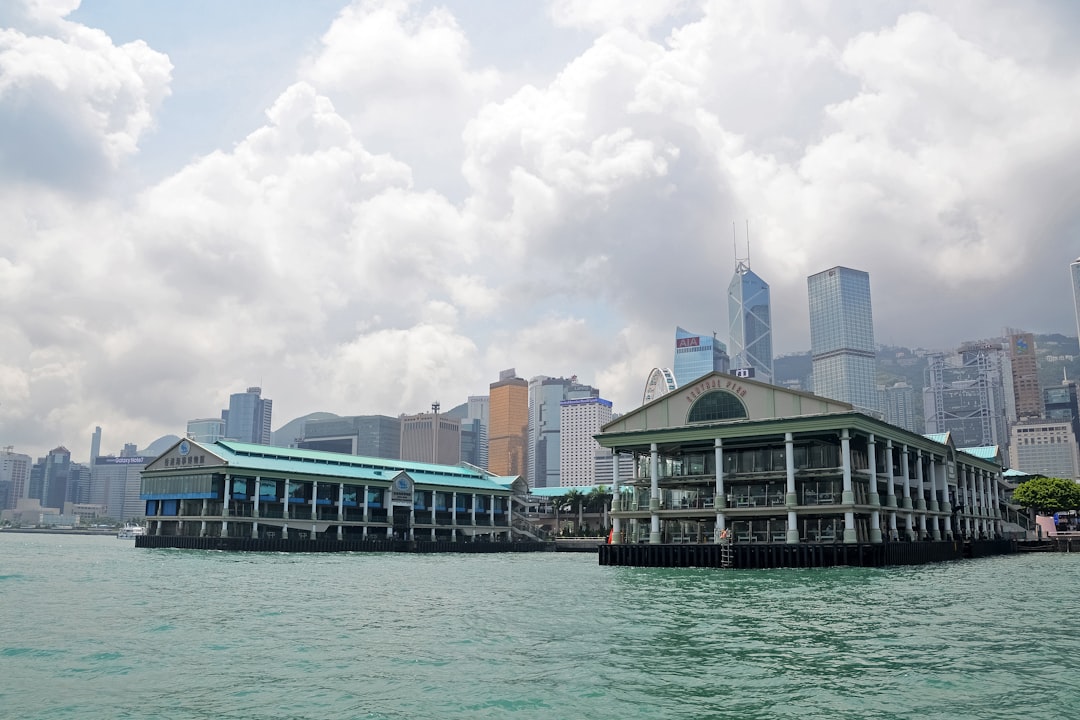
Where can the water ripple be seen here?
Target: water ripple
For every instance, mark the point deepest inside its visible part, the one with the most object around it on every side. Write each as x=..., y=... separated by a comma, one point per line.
x=120, y=632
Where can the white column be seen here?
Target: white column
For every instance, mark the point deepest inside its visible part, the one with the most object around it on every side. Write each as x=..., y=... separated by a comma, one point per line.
x=850, y=535
x=616, y=500
x=491, y=510
x=364, y=507
x=875, y=499
x=890, y=489
x=255, y=509
x=285, y=509
x=905, y=469
x=654, y=497
x=920, y=501
x=792, y=498
x=472, y=513
x=995, y=499
x=720, y=500
x=935, y=532
x=341, y=511
x=969, y=501
x=314, y=499
x=453, y=516
x=225, y=506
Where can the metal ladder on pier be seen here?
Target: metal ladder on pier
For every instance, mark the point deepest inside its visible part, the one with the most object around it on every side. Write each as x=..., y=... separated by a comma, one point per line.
x=727, y=553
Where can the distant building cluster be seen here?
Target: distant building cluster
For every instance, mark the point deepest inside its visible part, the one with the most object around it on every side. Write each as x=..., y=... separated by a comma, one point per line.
x=983, y=393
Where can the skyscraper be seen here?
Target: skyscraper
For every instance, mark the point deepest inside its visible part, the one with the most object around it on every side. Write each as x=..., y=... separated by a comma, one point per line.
x=14, y=476
x=377, y=436
x=508, y=432
x=582, y=419
x=1025, y=375
x=698, y=355
x=431, y=438
x=964, y=394
x=842, y=336
x=896, y=403
x=248, y=417
x=546, y=395
x=750, y=323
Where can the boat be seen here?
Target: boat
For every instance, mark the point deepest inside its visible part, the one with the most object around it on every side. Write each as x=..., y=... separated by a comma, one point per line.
x=131, y=531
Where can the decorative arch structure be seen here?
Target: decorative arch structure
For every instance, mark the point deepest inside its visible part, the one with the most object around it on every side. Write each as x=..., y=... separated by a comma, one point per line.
x=717, y=405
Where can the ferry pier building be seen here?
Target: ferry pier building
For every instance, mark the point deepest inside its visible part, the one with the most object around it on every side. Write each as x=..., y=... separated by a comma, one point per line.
x=781, y=478
x=230, y=492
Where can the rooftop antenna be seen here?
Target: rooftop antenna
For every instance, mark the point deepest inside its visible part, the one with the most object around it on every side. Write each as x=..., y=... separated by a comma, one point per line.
x=748, y=242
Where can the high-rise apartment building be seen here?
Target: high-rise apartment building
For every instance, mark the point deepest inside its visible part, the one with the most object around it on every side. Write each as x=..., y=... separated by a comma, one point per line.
x=508, y=431
x=750, y=323
x=377, y=436
x=431, y=438
x=896, y=403
x=1027, y=396
x=546, y=395
x=842, y=337
x=206, y=430
x=581, y=420
x=965, y=395
x=698, y=355
x=14, y=477
x=248, y=417
x=604, y=461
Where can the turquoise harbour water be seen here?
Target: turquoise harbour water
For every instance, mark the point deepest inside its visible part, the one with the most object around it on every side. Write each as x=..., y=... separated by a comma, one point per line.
x=92, y=627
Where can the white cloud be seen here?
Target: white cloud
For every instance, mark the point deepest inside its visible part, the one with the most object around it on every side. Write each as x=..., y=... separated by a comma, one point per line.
x=404, y=224
x=74, y=105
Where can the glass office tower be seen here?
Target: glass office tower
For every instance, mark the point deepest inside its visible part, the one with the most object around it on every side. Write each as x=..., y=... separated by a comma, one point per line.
x=842, y=337
x=697, y=355
x=750, y=323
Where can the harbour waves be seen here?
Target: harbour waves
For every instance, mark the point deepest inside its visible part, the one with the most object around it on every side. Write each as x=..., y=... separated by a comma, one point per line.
x=119, y=632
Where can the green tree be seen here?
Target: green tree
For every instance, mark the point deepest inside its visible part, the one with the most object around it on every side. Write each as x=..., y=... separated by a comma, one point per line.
x=575, y=500
x=1048, y=495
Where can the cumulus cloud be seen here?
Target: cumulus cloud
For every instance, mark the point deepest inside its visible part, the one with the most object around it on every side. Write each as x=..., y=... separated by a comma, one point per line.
x=404, y=223
x=73, y=105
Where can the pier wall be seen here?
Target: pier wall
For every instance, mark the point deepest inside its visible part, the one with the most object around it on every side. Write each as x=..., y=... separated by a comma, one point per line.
x=801, y=555
x=324, y=545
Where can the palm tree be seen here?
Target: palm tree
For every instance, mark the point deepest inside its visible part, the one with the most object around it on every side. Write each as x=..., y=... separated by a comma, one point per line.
x=575, y=500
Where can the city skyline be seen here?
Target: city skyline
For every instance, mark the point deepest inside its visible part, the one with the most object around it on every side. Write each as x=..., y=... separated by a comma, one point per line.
x=236, y=195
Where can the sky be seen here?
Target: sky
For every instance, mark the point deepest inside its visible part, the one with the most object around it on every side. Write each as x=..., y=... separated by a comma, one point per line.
x=365, y=208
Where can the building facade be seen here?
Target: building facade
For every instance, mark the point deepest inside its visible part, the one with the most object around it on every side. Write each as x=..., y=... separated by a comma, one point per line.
x=965, y=395
x=248, y=417
x=206, y=430
x=240, y=490
x=508, y=431
x=581, y=419
x=697, y=355
x=115, y=484
x=1074, y=272
x=896, y=403
x=431, y=437
x=1027, y=396
x=750, y=323
x=14, y=476
x=1045, y=447
x=367, y=435
x=760, y=464
x=478, y=411
x=842, y=346
x=546, y=395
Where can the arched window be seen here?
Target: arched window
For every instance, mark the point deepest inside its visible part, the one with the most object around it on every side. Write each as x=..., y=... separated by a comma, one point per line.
x=717, y=405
